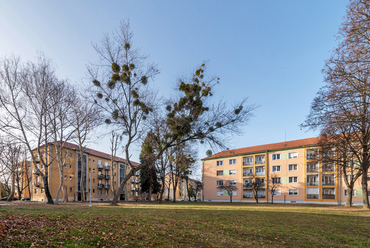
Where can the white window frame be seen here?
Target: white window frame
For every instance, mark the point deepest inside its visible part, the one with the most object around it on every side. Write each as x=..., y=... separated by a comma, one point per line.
x=234, y=192
x=276, y=166
x=276, y=156
x=294, y=192
x=278, y=179
x=293, y=167
x=277, y=192
x=219, y=163
x=291, y=156
x=220, y=174
x=231, y=172
x=353, y=192
x=70, y=178
x=232, y=182
x=220, y=192
x=220, y=182
x=232, y=161
x=292, y=181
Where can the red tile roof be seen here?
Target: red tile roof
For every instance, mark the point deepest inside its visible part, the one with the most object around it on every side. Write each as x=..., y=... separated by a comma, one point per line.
x=96, y=153
x=267, y=147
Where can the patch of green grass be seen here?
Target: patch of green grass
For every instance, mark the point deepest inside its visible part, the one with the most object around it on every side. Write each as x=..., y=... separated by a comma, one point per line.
x=183, y=224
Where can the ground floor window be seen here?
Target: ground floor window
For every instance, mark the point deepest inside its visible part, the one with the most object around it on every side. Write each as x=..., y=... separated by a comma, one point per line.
x=220, y=192
x=293, y=191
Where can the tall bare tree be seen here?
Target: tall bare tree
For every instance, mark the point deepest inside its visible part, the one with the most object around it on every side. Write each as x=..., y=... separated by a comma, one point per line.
x=342, y=106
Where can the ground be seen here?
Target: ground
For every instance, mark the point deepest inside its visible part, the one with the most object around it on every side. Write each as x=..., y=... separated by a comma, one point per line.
x=182, y=224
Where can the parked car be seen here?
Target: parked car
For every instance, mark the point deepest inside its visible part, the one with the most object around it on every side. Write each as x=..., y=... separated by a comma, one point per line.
x=26, y=199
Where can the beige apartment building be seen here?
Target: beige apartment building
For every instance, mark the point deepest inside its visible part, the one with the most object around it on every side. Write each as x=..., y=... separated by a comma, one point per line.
x=182, y=193
x=98, y=178
x=295, y=165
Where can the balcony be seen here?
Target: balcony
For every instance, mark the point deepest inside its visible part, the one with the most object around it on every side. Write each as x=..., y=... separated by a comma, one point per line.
x=107, y=177
x=107, y=186
x=249, y=174
x=312, y=170
x=247, y=185
x=101, y=176
x=100, y=166
x=331, y=197
x=260, y=161
x=312, y=183
x=107, y=167
x=132, y=179
x=262, y=173
x=100, y=186
x=247, y=163
x=36, y=172
x=328, y=183
x=327, y=168
x=312, y=196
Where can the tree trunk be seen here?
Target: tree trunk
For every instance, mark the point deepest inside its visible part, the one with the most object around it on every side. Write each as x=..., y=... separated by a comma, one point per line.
x=46, y=186
x=349, y=196
x=365, y=197
x=11, y=195
x=272, y=198
x=162, y=189
x=150, y=192
x=65, y=194
x=231, y=198
x=60, y=185
x=83, y=176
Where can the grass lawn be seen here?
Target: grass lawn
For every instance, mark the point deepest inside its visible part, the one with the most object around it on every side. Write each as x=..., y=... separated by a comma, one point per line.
x=182, y=224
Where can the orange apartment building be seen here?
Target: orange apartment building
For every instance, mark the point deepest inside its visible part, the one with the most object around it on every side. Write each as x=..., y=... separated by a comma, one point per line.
x=295, y=165
x=98, y=173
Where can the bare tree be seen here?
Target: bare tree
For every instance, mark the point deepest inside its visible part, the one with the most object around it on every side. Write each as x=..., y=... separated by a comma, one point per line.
x=229, y=188
x=342, y=106
x=25, y=95
x=274, y=184
x=115, y=138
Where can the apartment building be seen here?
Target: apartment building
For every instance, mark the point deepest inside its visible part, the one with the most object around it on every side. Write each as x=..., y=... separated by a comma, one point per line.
x=181, y=188
x=100, y=176
x=296, y=166
x=22, y=178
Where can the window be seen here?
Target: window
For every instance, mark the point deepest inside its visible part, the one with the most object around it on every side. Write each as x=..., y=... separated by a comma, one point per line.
x=70, y=166
x=70, y=178
x=93, y=180
x=220, y=192
x=293, y=191
x=42, y=190
x=232, y=182
x=260, y=159
x=65, y=166
x=232, y=172
x=70, y=189
x=346, y=192
x=276, y=180
x=93, y=160
x=93, y=190
x=234, y=192
x=65, y=154
x=277, y=192
x=93, y=170
x=65, y=178
x=248, y=160
x=276, y=168
x=293, y=179
x=38, y=179
x=106, y=192
x=89, y=159
x=70, y=154
x=99, y=192
x=220, y=182
x=293, y=155
x=276, y=156
x=36, y=191
x=220, y=173
x=220, y=163
x=232, y=161
x=42, y=166
x=293, y=167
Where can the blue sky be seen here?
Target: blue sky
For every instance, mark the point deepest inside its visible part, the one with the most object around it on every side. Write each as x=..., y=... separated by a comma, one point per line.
x=271, y=51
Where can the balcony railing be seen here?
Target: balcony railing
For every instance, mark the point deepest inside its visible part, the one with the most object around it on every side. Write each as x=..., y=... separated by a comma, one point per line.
x=107, y=176
x=312, y=156
x=247, y=174
x=328, y=197
x=247, y=185
x=248, y=196
x=328, y=183
x=101, y=176
x=107, y=186
x=100, y=186
x=312, y=183
x=107, y=167
x=312, y=196
x=328, y=169
x=312, y=170
x=100, y=166
x=247, y=163
x=260, y=173
x=260, y=161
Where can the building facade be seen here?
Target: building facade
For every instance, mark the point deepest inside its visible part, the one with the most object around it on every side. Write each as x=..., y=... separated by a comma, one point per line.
x=294, y=167
x=100, y=175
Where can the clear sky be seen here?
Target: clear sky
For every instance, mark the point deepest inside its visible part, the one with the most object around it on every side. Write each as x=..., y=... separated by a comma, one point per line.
x=271, y=51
